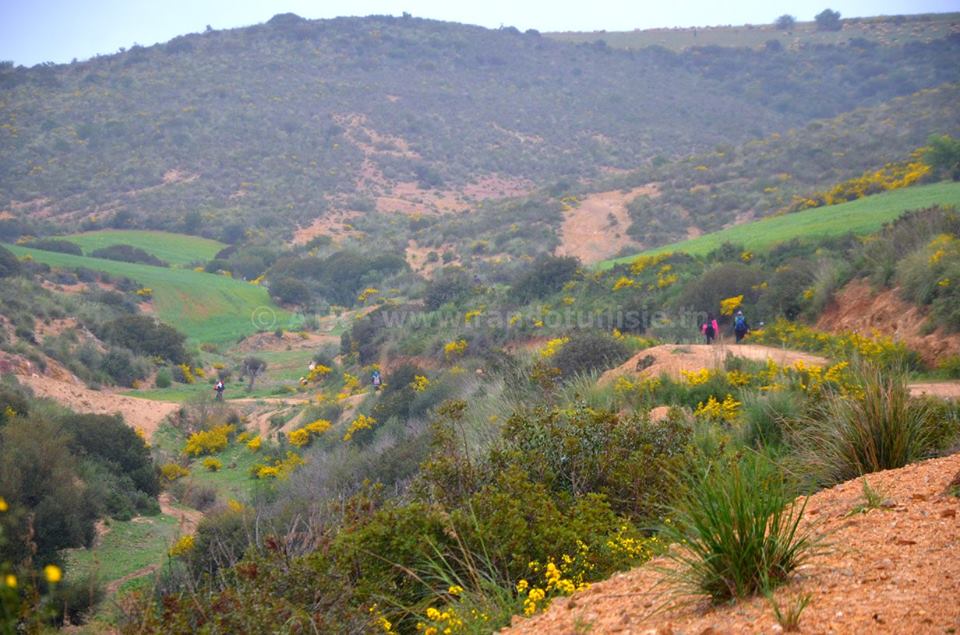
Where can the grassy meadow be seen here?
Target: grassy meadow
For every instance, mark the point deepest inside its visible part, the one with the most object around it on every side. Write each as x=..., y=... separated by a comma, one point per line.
x=862, y=216
x=177, y=249
x=206, y=307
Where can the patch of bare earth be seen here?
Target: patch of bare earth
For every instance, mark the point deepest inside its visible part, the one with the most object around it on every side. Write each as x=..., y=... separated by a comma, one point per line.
x=289, y=341
x=858, y=308
x=596, y=228
x=335, y=224
x=895, y=569
x=671, y=359
x=143, y=414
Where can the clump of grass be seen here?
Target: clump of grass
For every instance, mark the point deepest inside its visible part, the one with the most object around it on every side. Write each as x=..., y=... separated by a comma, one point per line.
x=880, y=429
x=789, y=618
x=872, y=499
x=738, y=531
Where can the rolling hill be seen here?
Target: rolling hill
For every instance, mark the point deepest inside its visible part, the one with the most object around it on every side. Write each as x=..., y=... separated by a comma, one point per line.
x=276, y=125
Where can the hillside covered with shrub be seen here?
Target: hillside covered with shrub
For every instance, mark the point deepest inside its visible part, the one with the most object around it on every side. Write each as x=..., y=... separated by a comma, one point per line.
x=277, y=124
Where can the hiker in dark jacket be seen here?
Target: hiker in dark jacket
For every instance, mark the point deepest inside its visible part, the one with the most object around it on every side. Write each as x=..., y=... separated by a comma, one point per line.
x=710, y=328
x=740, y=326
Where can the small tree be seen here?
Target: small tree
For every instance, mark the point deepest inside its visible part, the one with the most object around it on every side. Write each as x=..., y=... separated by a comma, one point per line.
x=828, y=20
x=785, y=22
x=942, y=154
x=252, y=368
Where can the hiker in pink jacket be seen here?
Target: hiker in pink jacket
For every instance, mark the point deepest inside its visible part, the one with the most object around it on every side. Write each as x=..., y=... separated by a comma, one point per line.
x=710, y=328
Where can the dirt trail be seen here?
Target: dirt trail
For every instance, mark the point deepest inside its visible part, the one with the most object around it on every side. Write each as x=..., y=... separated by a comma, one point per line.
x=596, y=228
x=187, y=519
x=143, y=414
x=890, y=570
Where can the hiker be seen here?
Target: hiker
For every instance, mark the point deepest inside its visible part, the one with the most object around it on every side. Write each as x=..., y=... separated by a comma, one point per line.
x=219, y=389
x=710, y=328
x=376, y=380
x=740, y=326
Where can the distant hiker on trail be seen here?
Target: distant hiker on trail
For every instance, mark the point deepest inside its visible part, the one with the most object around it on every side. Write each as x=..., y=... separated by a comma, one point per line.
x=376, y=380
x=740, y=326
x=219, y=388
x=710, y=328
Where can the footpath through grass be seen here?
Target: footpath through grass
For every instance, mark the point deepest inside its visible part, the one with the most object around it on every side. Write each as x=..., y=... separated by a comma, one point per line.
x=863, y=216
x=205, y=307
x=177, y=249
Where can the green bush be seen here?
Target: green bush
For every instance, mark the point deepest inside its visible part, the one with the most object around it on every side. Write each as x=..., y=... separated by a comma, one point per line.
x=545, y=276
x=147, y=336
x=588, y=351
x=128, y=253
x=53, y=244
x=737, y=528
x=164, y=378
x=881, y=429
x=9, y=265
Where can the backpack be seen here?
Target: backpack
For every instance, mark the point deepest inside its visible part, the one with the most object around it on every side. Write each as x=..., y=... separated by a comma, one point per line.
x=739, y=323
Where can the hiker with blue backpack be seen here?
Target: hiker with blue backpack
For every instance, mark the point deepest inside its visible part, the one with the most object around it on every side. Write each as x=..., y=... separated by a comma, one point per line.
x=740, y=326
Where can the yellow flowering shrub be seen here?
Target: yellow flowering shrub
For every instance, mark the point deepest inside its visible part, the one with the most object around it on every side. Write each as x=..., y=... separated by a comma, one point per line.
x=351, y=385
x=362, y=422
x=299, y=438
x=209, y=441
x=642, y=263
x=471, y=315
x=280, y=469
x=318, y=373
x=419, y=383
x=623, y=282
x=455, y=348
x=552, y=346
x=892, y=176
x=551, y=579
x=187, y=373
x=212, y=464
x=696, y=377
x=714, y=410
x=145, y=292
x=173, y=471
x=729, y=305
x=366, y=293
x=182, y=546
x=254, y=444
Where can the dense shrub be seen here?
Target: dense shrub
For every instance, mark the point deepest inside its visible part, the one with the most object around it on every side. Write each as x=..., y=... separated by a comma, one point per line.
x=450, y=285
x=545, y=276
x=53, y=244
x=128, y=253
x=9, y=265
x=147, y=336
x=116, y=445
x=289, y=290
x=588, y=351
x=880, y=429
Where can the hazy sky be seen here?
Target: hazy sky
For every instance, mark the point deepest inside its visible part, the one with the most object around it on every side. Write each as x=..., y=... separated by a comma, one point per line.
x=34, y=31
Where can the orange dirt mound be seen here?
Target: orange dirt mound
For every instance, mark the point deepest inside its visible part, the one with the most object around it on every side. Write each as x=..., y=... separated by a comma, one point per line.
x=144, y=414
x=670, y=359
x=858, y=308
x=894, y=569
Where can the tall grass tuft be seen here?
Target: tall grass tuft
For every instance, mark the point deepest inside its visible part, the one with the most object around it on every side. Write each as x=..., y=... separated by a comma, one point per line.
x=737, y=531
x=880, y=429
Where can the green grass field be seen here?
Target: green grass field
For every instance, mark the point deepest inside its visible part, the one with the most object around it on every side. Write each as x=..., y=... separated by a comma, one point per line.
x=205, y=307
x=176, y=249
x=862, y=216
x=128, y=546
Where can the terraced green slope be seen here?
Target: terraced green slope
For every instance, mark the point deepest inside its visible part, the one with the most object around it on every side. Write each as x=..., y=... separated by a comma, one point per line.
x=862, y=216
x=177, y=249
x=206, y=307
